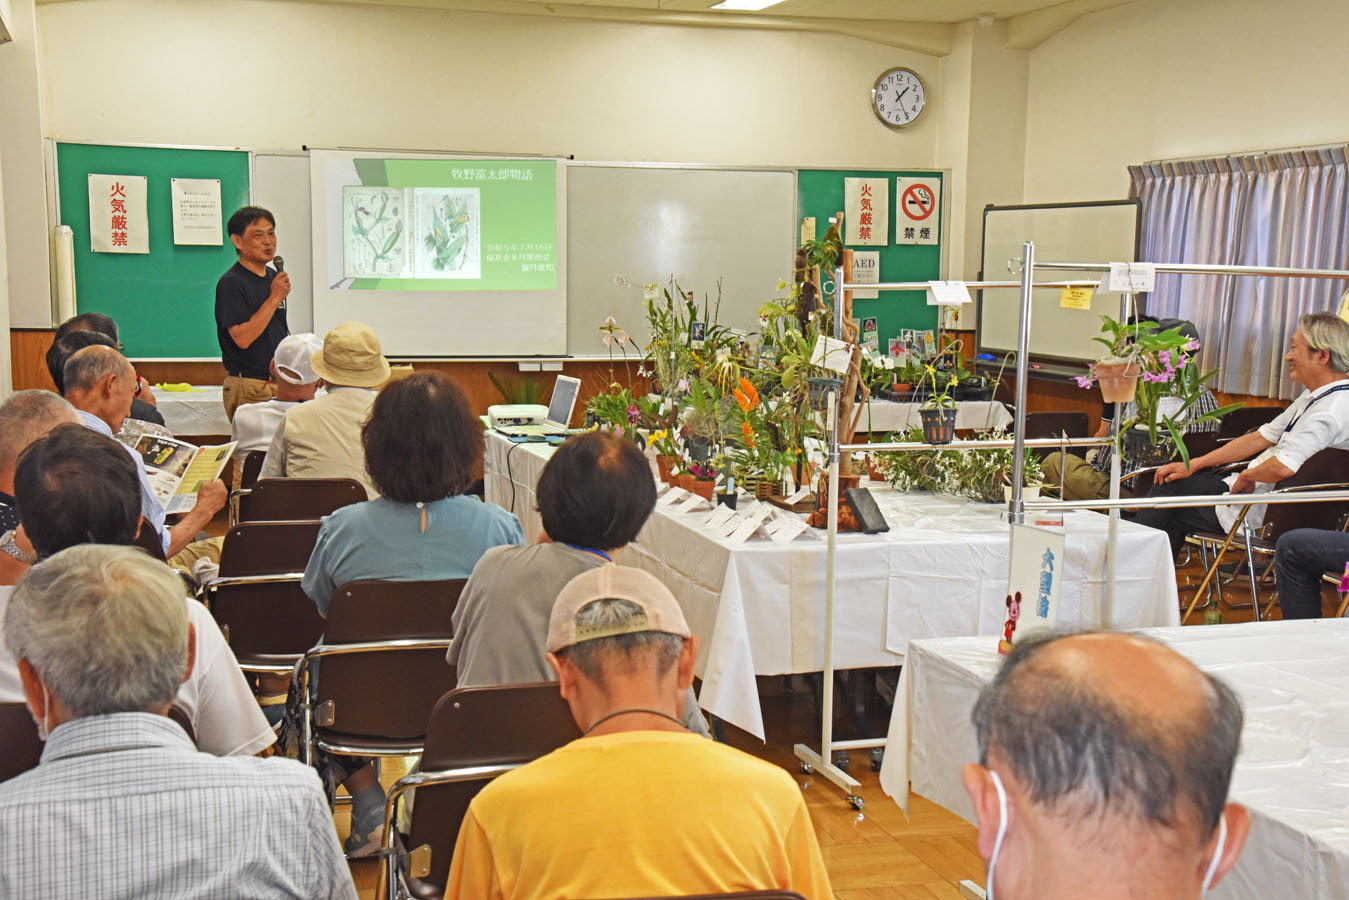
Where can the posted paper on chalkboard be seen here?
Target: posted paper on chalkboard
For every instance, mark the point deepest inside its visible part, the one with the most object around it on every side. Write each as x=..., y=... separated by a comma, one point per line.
x=196, y=211
x=117, y=219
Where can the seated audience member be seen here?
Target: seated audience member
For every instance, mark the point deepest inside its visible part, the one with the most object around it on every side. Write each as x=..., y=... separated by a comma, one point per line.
x=77, y=487
x=1301, y=557
x=1105, y=761
x=637, y=806
x=594, y=495
x=1089, y=479
x=122, y=804
x=322, y=438
x=24, y=417
x=72, y=336
x=255, y=424
x=1318, y=359
x=99, y=383
x=421, y=446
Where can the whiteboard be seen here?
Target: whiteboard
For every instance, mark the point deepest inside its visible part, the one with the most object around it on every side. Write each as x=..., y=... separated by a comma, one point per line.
x=1098, y=232
x=645, y=224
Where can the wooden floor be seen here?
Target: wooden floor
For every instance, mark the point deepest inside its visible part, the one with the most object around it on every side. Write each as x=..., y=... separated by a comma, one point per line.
x=874, y=854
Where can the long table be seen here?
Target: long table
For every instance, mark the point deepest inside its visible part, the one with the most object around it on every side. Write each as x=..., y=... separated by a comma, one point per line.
x=892, y=415
x=1292, y=771
x=941, y=570
x=199, y=411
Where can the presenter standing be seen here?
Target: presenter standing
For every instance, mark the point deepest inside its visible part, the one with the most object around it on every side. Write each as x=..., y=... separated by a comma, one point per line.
x=249, y=314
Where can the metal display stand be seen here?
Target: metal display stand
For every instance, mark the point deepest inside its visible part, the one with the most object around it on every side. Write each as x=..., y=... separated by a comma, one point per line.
x=821, y=762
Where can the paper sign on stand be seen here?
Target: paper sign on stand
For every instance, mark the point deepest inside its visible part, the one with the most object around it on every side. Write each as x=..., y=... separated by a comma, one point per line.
x=832, y=354
x=1076, y=297
x=947, y=293
x=1129, y=278
x=748, y=525
x=797, y=496
x=719, y=517
x=785, y=529
x=672, y=496
x=1033, y=583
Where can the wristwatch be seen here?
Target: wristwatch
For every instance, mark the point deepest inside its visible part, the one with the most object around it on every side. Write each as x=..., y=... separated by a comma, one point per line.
x=11, y=546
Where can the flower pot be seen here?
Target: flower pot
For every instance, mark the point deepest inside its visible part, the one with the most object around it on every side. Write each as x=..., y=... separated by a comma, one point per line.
x=727, y=500
x=874, y=473
x=1141, y=450
x=1118, y=381
x=665, y=464
x=703, y=488
x=939, y=425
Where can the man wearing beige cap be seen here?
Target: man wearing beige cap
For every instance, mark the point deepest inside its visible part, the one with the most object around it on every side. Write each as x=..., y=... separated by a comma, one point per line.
x=637, y=806
x=322, y=438
x=255, y=424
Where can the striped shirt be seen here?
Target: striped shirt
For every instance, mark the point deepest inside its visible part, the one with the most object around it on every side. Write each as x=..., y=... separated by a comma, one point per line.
x=1202, y=406
x=123, y=805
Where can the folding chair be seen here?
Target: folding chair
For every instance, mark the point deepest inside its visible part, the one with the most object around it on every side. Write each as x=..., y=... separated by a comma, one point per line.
x=273, y=499
x=1322, y=472
x=251, y=467
x=20, y=748
x=384, y=668
x=268, y=548
x=1056, y=424
x=1248, y=418
x=474, y=735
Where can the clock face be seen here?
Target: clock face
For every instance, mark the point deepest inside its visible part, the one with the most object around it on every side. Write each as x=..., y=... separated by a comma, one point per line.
x=898, y=97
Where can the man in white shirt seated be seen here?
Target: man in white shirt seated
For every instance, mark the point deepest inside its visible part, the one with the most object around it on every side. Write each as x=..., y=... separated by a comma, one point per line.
x=1318, y=359
x=255, y=424
x=77, y=487
x=121, y=804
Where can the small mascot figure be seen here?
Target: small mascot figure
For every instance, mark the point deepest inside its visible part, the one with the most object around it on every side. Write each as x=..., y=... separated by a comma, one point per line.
x=1013, y=613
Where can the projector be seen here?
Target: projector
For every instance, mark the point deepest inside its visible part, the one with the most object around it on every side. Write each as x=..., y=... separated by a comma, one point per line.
x=513, y=415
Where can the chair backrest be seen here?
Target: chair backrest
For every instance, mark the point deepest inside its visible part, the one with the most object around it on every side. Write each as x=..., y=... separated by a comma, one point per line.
x=480, y=726
x=251, y=467
x=266, y=623
x=267, y=548
x=179, y=715
x=1329, y=466
x=299, y=498
x=386, y=693
x=20, y=748
x=1054, y=424
x=148, y=540
x=1239, y=421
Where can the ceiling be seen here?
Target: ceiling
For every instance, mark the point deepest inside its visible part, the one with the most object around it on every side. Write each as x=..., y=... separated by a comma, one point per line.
x=926, y=26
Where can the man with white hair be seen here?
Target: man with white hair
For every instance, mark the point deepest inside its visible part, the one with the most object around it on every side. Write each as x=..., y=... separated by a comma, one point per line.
x=638, y=806
x=24, y=417
x=100, y=383
x=122, y=804
x=255, y=423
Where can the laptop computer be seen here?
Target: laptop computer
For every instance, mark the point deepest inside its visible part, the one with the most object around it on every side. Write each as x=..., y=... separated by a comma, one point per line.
x=565, y=391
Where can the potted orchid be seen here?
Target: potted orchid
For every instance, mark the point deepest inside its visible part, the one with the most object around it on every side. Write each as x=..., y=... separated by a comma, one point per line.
x=938, y=411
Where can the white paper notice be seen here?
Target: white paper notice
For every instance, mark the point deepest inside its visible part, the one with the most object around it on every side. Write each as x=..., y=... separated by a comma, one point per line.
x=196, y=211
x=786, y=529
x=917, y=220
x=831, y=354
x=748, y=525
x=1129, y=278
x=947, y=293
x=866, y=211
x=117, y=217
x=797, y=496
x=672, y=496
x=1033, y=583
x=719, y=517
x=866, y=269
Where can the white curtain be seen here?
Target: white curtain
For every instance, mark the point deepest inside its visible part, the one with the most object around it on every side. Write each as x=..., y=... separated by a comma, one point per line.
x=1277, y=209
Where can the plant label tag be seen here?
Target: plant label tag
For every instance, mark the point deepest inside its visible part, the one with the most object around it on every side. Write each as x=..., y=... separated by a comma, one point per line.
x=832, y=354
x=947, y=293
x=692, y=503
x=1131, y=278
x=797, y=496
x=1076, y=297
x=748, y=525
x=650, y=293
x=719, y=517
x=672, y=496
x=731, y=525
x=786, y=529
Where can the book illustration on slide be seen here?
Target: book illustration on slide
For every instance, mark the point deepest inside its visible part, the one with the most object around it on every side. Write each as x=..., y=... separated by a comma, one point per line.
x=376, y=243
x=449, y=228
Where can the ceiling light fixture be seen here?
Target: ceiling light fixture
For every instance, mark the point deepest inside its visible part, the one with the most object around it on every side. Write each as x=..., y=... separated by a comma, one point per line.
x=746, y=5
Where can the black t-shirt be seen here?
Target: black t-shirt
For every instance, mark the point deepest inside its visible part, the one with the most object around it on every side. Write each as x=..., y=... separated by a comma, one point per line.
x=238, y=294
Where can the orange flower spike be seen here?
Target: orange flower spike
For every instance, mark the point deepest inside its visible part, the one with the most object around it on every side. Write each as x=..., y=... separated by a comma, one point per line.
x=751, y=394
x=749, y=434
x=742, y=400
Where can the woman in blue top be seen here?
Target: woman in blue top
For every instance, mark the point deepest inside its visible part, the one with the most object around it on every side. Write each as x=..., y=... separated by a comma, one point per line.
x=422, y=445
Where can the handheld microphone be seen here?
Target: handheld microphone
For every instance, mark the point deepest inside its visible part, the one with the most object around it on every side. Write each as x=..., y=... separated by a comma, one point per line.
x=279, y=263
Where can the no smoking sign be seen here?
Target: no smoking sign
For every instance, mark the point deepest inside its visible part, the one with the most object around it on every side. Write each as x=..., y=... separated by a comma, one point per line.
x=916, y=204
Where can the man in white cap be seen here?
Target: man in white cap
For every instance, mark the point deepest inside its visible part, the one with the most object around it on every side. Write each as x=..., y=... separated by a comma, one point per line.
x=322, y=438
x=255, y=424
x=638, y=806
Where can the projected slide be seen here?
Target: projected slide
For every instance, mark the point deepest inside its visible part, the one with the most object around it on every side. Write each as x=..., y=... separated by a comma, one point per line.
x=448, y=225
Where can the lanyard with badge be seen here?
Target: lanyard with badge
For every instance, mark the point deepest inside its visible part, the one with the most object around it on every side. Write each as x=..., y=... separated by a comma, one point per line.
x=1339, y=387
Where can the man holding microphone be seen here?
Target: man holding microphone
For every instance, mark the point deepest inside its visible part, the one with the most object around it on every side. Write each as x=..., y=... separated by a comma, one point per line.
x=250, y=315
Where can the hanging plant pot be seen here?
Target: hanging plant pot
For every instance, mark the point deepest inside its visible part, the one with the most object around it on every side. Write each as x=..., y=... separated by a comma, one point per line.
x=1118, y=380
x=1139, y=448
x=939, y=425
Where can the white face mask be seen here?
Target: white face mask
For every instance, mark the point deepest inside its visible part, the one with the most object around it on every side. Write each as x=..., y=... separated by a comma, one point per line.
x=1002, y=833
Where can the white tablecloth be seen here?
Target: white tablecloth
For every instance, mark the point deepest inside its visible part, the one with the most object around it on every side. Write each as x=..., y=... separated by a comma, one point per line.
x=195, y=412
x=888, y=415
x=940, y=571
x=1292, y=771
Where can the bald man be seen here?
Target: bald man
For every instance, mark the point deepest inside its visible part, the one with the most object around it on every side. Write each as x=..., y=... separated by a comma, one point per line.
x=1105, y=761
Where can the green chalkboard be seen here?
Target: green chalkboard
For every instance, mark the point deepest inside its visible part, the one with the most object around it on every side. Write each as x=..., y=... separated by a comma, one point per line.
x=163, y=301
x=819, y=193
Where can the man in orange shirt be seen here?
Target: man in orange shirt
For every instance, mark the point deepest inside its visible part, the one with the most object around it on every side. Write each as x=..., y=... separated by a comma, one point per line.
x=637, y=806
